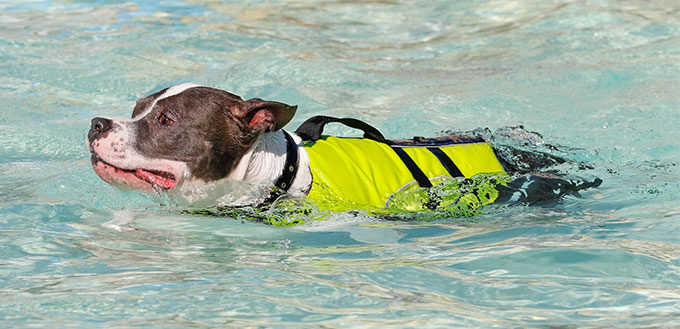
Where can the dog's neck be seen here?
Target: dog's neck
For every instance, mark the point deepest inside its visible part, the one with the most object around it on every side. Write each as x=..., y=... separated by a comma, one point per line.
x=265, y=161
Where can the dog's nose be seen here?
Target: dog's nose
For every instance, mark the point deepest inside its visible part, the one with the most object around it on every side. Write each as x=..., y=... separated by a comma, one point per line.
x=98, y=127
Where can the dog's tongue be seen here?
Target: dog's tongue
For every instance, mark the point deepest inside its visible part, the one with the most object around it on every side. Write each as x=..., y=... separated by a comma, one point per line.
x=155, y=179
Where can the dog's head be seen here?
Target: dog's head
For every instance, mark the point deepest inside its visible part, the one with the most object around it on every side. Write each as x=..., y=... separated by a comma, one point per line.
x=186, y=132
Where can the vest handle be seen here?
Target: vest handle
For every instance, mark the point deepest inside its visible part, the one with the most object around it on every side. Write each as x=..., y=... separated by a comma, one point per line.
x=312, y=129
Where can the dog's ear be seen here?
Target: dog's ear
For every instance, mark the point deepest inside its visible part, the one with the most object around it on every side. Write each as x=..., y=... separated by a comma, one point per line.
x=265, y=116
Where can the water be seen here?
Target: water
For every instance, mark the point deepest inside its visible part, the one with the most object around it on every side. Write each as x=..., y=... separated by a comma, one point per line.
x=599, y=78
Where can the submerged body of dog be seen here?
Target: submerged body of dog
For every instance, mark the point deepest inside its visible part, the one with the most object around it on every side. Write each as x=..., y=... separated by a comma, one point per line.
x=187, y=138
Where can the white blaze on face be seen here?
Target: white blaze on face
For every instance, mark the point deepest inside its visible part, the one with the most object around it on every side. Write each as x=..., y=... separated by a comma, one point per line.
x=172, y=91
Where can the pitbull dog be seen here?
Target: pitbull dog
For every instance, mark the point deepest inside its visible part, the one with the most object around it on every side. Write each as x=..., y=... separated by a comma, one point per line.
x=191, y=138
x=187, y=136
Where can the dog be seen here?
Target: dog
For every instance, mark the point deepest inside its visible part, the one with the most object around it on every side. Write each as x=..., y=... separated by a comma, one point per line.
x=189, y=135
x=191, y=141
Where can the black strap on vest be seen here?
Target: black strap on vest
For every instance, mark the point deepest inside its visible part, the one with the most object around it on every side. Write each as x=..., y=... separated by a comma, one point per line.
x=289, y=170
x=417, y=174
x=446, y=162
x=312, y=129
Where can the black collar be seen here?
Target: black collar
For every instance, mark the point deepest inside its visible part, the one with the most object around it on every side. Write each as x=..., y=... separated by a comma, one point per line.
x=292, y=162
x=289, y=170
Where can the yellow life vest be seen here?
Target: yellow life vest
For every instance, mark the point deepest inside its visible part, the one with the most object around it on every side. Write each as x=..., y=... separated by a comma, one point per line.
x=454, y=175
x=361, y=173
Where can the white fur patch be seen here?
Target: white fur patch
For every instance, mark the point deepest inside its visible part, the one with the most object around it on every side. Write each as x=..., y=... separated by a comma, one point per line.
x=117, y=149
x=172, y=91
x=265, y=160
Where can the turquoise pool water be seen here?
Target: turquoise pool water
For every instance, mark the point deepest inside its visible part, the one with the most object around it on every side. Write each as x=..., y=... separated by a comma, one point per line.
x=599, y=78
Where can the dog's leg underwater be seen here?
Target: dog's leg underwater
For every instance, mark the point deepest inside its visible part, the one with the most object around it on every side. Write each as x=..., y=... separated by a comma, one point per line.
x=541, y=189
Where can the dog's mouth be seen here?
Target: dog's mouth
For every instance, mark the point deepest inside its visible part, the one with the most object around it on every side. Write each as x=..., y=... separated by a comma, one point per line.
x=156, y=180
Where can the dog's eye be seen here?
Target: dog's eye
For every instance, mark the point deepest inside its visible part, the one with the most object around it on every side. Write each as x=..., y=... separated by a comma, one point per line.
x=165, y=121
